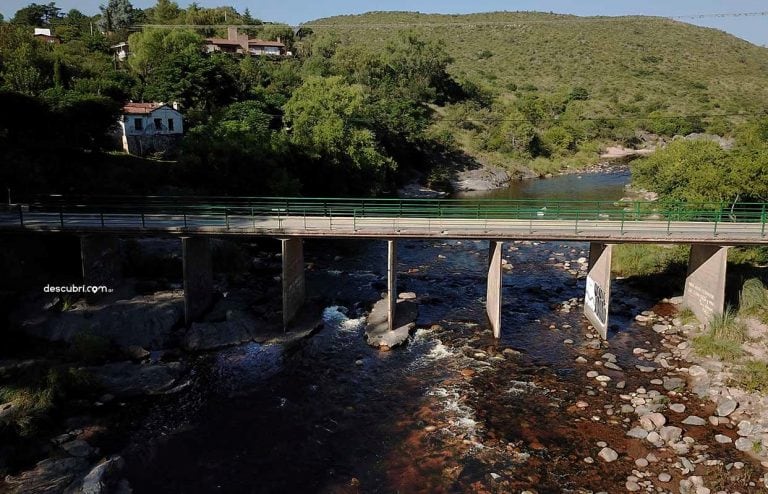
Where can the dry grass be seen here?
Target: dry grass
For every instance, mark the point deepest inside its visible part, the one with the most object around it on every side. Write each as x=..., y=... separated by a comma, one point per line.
x=723, y=338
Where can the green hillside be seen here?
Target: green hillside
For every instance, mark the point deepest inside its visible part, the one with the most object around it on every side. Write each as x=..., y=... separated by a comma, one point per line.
x=560, y=72
x=689, y=68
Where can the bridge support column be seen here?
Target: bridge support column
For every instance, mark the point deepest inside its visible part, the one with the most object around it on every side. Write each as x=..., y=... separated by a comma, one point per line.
x=705, y=284
x=198, y=276
x=101, y=263
x=598, y=293
x=294, y=286
x=493, y=298
x=391, y=283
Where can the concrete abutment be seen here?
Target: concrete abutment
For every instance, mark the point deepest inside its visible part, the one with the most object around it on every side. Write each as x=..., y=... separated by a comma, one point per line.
x=294, y=284
x=198, y=276
x=598, y=290
x=493, y=298
x=391, y=283
x=705, y=283
x=101, y=263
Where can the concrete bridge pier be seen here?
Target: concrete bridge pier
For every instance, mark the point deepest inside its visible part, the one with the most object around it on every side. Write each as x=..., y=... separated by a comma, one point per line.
x=101, y=262
x=294, y=285
x=493, y=298
x=198, y=276
x=391, y=283
x=705, y=284
x=598, y=292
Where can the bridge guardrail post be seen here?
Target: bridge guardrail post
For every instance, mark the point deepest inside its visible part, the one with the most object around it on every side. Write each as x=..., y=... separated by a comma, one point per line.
x=185, y=219
x=21, y=215
x=669, y=222
x=623, y=212
x=226, y=218
x=762, y=222
x=717, y=219
x=253, y=218
x=61, y=216
x=576, y=228
x=530, y=222
x=354, y=220
x=305, y=218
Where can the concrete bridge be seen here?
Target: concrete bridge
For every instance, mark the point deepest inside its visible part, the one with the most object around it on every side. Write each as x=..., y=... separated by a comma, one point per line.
x=710, y=229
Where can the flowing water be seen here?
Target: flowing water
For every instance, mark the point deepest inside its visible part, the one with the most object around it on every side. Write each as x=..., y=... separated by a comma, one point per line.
x=453, y=411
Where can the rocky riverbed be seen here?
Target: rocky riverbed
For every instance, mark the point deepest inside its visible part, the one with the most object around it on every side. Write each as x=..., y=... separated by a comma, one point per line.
x=221, y=405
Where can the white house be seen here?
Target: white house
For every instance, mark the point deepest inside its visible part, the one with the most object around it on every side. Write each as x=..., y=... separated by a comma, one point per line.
x=147, y=128
x=45, y=35
x=120, y=51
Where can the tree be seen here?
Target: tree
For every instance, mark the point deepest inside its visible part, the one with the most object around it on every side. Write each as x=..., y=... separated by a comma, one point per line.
x=150, y=47
x=165, y=12
x=327, y=117
x=689, y=171
x=40, y=15
x=117, y=15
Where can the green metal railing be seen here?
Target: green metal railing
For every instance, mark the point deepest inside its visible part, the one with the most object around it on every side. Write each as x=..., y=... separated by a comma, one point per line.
x=219, y=211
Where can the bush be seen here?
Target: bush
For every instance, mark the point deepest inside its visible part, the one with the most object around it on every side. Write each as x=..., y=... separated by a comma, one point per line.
x=723, y=338
x=645, y=260
x=753, y=297
x=753, y=376
x=89, y=347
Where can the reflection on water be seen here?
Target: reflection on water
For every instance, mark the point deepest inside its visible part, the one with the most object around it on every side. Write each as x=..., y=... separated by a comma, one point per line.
x=585, y=187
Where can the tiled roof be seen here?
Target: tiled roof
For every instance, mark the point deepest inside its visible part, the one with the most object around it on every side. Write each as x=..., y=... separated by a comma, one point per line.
x=141, y=108
x=222, y=41
x=261, y=42
x=251, y=42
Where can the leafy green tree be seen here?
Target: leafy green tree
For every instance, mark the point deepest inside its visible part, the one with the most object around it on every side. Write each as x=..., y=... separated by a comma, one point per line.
x=25, y=65
x=556, y=140
x=39, y=15
x=512, y=133
x=274, y=32
x=165, y=12
x=200, y=82
x=327, y=117
x=151, y=47
x=689, y=171
x=117, y=15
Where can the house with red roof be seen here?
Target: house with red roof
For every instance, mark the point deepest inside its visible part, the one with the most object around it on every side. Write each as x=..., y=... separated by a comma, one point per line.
x=240, y=43
x=150, y=128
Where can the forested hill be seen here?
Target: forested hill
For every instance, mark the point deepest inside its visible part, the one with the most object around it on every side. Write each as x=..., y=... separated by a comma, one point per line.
x=629, y=65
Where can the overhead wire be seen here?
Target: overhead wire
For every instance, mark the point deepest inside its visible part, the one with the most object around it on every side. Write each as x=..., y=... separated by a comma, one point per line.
x=468, y=23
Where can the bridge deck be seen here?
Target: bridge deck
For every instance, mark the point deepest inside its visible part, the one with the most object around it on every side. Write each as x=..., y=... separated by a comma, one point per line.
x=609, y=221
x=607, y=230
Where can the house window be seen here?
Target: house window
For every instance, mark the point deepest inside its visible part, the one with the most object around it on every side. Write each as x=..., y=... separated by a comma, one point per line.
x=158, y=124
x=138, y=124
x=170, y=124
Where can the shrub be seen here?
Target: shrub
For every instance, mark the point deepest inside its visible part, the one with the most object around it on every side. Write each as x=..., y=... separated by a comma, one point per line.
x=89, y=347
x=753, y=297
x=645, y=260
x=753, y=376
x=723, y=338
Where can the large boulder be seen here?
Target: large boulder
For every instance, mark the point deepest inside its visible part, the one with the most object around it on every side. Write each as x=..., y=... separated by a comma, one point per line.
x=377, y=331
x=51, y=475
x=212, y=335
x=144, y=321
x=103, y=476
x=127, y=379
x=479, y=179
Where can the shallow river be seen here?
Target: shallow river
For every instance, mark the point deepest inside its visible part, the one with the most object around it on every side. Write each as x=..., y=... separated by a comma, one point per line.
x=454, y=411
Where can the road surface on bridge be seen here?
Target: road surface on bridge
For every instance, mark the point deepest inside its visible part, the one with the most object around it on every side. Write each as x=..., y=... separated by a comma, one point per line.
x=277, y=225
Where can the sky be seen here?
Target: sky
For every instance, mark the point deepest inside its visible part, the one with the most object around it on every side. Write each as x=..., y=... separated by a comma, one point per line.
x=754, y=29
